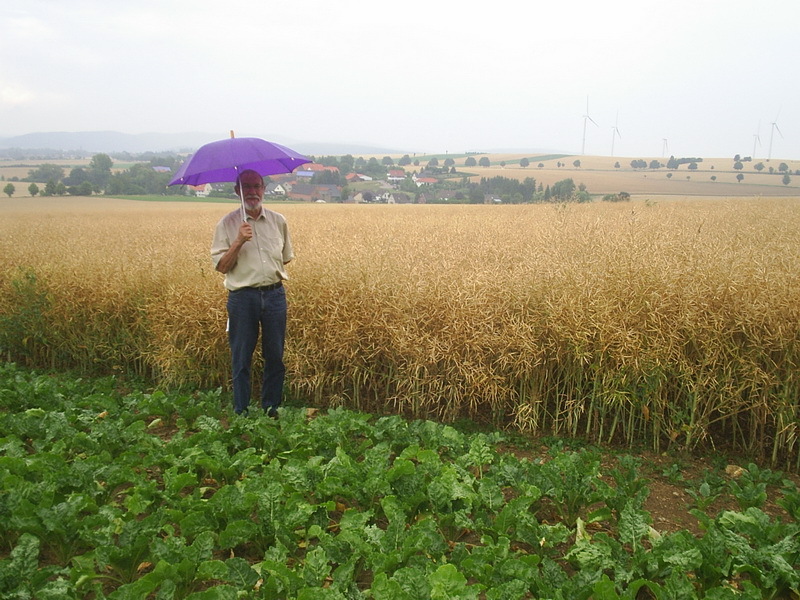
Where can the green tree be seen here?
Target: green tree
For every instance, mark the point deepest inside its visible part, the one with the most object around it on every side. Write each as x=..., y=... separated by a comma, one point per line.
x=408, y=185
x=524, y=162
x=9, y=189
x=346, y=164
x=576, y=163
x=786, y=179
x=100, y=170
x=76, y=176
x=326, y=177
x=141, y=178
x=783, y=167
x=33, y=189
x=46, y=172
x=49, y=188
x=388, y=161
x=564, y=189
x=475, y=195
x=739, y=177
x=470, y=162
x=485, y=162
x=406, y=160
x=759, y=166
x=738, y=165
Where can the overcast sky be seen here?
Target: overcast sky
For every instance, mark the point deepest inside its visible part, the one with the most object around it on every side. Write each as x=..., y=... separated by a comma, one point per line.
x=707, y=76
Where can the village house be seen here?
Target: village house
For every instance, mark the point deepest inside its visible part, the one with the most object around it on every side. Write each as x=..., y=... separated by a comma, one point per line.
x=317, y=168
x=396, y=175
x=201, y=191
x=351, y=177
x=276, y=189
x=312, y=193
x=420, y=181
x=398, y=198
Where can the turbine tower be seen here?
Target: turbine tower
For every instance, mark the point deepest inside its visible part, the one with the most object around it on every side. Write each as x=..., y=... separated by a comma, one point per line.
x=756, y=139
x=664, y=148
x=772, y=134
x=586, y=118
x=614, y=133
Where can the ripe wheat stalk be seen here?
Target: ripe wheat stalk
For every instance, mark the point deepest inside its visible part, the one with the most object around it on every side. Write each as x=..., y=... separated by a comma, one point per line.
x=675, y=322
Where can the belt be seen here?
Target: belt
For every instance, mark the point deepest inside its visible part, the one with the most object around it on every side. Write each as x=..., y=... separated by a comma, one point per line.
x=266, y=288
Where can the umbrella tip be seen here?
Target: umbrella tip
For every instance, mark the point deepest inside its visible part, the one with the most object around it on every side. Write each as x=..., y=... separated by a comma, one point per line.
x=232, y=136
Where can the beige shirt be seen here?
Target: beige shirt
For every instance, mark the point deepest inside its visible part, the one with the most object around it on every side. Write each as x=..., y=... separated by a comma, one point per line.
x=261, y=260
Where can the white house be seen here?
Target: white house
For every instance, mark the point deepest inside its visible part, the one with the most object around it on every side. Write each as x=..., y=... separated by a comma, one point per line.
x=201, y=191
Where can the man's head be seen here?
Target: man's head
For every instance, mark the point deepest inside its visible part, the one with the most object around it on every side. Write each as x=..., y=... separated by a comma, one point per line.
x=250, y=187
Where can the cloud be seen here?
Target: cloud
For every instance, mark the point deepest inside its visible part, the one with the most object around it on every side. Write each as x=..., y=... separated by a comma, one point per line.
x=424, y=75
x=12, y=95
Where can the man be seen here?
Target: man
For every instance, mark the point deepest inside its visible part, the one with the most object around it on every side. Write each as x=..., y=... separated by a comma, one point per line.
x=252, y=254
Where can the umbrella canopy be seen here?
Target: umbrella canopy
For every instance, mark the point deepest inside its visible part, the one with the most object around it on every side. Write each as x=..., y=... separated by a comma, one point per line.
x=225, y=159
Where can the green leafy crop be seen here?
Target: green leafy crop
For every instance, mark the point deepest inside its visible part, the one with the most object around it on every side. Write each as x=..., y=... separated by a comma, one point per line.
x=119, y=496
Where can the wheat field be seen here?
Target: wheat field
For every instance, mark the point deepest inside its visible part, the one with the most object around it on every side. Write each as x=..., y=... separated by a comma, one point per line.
x=673, y=323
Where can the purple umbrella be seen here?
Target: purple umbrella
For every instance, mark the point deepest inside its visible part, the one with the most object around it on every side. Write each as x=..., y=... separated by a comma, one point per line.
x=225, y=159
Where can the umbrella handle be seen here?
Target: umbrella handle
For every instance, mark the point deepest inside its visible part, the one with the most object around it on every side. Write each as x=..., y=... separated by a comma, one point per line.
x=241, y=192
x=241, y=198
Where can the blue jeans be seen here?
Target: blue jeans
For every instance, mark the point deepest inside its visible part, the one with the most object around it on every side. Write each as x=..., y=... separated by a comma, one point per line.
x=248, y=310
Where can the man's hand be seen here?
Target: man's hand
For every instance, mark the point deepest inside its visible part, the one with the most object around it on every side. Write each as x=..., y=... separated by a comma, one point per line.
x=245, y=232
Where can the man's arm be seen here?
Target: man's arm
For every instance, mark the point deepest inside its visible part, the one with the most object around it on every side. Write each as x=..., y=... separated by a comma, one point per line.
x=228, y=260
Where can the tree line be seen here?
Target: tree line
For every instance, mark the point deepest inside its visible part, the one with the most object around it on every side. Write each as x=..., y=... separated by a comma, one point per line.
x=152, y=176
x=98, y=177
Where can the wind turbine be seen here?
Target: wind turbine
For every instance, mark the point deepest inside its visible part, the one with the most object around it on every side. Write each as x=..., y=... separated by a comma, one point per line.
x=756, y=139
x=586, y=118
x=614, y=133
x=772, y=134
x=664, y=148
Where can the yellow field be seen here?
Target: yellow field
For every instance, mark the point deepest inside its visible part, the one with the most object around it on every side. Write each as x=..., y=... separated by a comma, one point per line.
x=601, y=176
x=674, y=321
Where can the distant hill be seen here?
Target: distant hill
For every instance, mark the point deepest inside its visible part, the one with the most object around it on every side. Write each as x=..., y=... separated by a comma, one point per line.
x=114, y=141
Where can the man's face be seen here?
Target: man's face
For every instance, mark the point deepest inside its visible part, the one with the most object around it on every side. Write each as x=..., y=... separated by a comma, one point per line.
x=251, y=185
